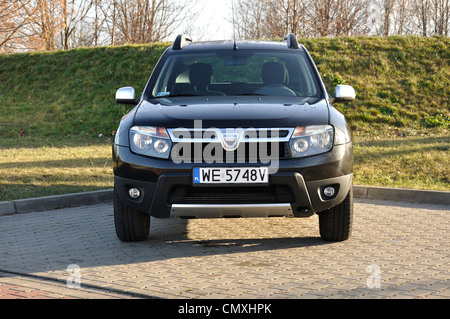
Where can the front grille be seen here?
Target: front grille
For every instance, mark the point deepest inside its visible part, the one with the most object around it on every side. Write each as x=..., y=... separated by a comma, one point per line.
x=249, y=133
x=230, y=145
x=231, y=195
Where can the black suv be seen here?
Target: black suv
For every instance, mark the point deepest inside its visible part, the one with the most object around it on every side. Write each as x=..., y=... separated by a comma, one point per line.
x=233, y=129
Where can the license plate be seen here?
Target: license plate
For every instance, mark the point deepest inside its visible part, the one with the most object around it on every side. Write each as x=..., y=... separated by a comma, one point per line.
x=210, y=175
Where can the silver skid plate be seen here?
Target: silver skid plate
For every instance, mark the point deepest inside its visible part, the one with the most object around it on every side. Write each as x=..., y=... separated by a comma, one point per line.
x=230, y=210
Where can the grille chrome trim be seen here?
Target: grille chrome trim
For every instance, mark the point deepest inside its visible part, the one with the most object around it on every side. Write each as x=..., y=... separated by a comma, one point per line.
x=216, y=135
x=230, y=210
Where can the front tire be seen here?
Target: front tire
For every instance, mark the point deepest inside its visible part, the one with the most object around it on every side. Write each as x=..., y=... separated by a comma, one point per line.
x=130, y=224
x=335, y=224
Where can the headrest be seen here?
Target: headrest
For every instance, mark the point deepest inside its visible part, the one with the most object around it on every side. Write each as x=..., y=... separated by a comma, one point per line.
x=200, y=74
x=274, y=73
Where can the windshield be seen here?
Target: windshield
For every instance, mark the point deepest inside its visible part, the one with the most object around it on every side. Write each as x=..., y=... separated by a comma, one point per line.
x=231, y=73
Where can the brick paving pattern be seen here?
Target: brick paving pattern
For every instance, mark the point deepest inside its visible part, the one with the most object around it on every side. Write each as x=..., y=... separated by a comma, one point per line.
x=397, y=250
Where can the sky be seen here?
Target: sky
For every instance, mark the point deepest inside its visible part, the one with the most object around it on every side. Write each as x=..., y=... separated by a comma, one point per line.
x=213, y=21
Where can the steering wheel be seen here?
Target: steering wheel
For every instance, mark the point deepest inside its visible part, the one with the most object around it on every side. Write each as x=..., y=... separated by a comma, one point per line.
x=276, y=89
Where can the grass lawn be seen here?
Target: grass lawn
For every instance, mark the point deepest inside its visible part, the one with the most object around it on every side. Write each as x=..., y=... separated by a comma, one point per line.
x=50, y=170
x=421, y=161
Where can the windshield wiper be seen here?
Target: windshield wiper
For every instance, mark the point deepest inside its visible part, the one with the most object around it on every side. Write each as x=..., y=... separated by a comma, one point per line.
x=248, y=94
x=177, y=95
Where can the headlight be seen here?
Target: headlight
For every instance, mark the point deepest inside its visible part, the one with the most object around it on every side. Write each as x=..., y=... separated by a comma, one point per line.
x=150, y=141
x=311, y=140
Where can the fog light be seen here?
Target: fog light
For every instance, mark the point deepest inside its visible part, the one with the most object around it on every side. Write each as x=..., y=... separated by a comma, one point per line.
x=329, y=191
x=134, y=193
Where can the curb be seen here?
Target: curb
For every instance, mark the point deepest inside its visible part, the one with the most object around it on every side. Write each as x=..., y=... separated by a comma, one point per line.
x=55, y=202
x=419, y=196
x=106, y=196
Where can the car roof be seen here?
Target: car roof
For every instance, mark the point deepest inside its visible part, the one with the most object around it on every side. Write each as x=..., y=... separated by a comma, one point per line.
x=223, y=45
x=184, y=43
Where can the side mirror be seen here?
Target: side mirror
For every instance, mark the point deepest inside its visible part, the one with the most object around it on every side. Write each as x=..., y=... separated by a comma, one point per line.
x=343, y=93
x=126, y=95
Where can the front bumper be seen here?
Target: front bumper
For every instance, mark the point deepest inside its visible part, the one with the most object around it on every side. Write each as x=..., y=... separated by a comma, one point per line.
x=295, y=190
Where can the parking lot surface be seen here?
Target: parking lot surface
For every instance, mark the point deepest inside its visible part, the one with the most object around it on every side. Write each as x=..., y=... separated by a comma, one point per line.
x=397, y=250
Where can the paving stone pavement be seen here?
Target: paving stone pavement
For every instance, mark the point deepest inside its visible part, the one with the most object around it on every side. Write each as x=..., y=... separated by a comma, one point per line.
x=397, y=250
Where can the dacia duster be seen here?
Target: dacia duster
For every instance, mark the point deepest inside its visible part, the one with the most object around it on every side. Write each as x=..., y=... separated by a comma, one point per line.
x=233, y=129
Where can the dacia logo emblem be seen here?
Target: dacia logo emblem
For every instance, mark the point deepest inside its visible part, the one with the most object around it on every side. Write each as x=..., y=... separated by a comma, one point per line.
x=230, y=140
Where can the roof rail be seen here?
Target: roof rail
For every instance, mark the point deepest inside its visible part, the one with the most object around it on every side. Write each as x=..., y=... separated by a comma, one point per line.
x=181, y=41
x=291, y=40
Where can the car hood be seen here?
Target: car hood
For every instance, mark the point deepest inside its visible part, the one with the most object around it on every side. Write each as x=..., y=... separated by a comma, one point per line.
x=219, y=112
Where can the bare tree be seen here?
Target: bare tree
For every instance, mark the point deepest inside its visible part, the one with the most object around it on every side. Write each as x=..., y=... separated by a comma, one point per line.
x=249, y=19
x=270, y=18
x=294, y=15
x=47, y=22
x=321, y=17
x=422, y=10
x=74, y=12
x=12, y=21
x=273, y=18
x=440, y=16
x=109, y=11
x=65, y=24
x=351, y=17
x=43, y=23
x=401, y=13
x=387, y=9
x=143, y=21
